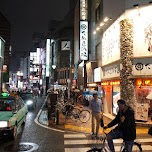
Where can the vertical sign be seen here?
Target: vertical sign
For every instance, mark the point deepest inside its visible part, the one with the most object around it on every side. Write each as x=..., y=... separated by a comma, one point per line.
x=83, y=29
x=84, y=40
x=47, y=57
x=83, y=10
x=38, y=56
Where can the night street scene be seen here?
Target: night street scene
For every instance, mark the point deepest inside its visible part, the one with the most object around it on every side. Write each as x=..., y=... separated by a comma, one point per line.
x=76, y=76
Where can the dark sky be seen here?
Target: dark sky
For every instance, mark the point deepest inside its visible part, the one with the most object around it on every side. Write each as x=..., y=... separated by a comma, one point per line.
x=28, y=16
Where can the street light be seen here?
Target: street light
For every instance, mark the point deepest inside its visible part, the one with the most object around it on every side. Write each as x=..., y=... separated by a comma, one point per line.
x=53, y=67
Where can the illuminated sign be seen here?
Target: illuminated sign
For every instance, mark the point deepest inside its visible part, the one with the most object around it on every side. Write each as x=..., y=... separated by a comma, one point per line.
x=142, y=82
x=84, y=40
x=97, y=74
x=83, y=10
x=112, y=83
x=47, y=57
x=38, y=55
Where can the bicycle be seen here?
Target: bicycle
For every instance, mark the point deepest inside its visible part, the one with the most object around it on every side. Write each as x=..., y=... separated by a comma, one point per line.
x=71, y=111
x=100, y=145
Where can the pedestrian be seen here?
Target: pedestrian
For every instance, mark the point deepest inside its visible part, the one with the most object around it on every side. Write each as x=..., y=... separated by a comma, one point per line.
x=96, y=107
x=125, y=129
x=50, y=104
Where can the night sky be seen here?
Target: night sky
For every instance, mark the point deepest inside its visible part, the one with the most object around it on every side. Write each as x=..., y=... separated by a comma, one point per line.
x=28, y=16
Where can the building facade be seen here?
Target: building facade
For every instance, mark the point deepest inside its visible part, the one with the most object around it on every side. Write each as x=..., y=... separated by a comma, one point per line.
x=119, y=45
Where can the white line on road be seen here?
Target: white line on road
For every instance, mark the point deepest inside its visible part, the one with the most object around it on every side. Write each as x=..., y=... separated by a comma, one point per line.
x=78, y=144
x=37, y=122
x=74, y=136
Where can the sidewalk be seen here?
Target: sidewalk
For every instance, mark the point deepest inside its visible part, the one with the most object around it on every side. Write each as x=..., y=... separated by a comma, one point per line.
x=77, y=126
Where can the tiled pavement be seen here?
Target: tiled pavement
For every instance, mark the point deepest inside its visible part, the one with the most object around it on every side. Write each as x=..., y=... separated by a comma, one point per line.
x=70, y=125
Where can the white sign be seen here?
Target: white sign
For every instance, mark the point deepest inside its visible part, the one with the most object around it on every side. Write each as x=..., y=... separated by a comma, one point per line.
x=143, y=32
x=111, y=44
x=97, y=74
x=142, y=66
x=38, y=55
x=65, y=45
x=47, y=57
x=111, y=71
x=84, y=40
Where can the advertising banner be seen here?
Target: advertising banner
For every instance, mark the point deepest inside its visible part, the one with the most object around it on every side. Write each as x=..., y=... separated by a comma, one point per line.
x=141, y=111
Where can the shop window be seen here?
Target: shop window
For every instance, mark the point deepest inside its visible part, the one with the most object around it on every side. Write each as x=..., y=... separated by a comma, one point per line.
x=143, y=105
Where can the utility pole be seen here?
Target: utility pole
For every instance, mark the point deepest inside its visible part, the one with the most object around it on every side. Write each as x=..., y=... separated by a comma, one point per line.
x=70, y=75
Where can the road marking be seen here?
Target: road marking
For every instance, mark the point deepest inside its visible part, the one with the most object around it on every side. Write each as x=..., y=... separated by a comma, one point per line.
x=81, y=143
x=37, y=122
x=74, y=136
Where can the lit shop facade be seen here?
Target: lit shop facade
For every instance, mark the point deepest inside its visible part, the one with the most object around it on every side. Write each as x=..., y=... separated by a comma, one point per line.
x=2, y=44
x=126, y=70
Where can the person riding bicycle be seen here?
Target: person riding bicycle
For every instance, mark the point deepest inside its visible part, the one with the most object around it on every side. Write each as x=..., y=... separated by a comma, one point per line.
x=125, y=129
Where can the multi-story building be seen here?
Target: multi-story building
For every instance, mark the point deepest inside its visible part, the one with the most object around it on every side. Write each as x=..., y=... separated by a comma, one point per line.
x=119, y=52
x=62, y=51
x=5, y=31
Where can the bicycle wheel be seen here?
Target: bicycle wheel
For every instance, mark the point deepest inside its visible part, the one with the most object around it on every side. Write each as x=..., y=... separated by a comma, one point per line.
x=75, y=114
x=136, y=148
x=84, y=116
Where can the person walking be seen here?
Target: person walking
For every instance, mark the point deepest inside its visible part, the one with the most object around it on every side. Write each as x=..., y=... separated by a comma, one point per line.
x=125, y=129
x=96, y=107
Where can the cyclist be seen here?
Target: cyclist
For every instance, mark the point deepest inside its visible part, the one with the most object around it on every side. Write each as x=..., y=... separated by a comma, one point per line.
x=125, y=129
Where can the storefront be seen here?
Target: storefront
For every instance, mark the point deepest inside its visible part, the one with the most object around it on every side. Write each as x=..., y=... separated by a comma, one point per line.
x=111, y=93
x=144, y=99
x=127, y=62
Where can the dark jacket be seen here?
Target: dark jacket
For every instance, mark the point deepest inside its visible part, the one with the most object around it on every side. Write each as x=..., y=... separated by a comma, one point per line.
x=127, y=126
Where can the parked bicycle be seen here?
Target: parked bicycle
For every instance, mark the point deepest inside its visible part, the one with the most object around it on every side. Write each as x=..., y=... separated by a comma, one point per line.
x=69, y=110
x=100, y=145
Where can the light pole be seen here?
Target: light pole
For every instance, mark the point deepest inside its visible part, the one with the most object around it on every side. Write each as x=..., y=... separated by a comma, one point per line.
x=53, y=67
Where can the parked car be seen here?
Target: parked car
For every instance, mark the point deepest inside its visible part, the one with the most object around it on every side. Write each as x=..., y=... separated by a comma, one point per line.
x=29, y=98
x=13, y=113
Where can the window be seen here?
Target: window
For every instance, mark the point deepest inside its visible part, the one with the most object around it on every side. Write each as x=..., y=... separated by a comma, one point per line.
x=97, y=14
x=98, y=52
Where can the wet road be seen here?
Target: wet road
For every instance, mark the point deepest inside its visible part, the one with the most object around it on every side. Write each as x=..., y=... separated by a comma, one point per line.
x=32, y=136
x=35, y=138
